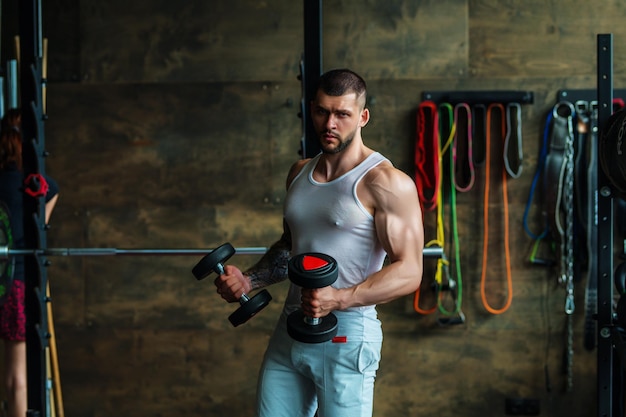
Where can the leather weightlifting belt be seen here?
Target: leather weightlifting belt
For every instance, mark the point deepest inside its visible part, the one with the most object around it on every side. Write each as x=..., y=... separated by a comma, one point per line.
x=492, y=108
x=426, y=155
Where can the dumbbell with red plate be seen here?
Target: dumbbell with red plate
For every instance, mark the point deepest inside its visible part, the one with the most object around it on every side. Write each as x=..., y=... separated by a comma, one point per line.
x=312, y=270
x=214, y=262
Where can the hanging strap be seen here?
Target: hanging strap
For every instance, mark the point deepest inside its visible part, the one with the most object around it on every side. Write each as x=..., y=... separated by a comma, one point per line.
x=446, y=133
x=426, y=155
x=483, y=280
x=513, y=149
x=442, y=262
x=479, y=133
x=454, y=286
x=539, y=172
x=443, y=281
x=462, y=158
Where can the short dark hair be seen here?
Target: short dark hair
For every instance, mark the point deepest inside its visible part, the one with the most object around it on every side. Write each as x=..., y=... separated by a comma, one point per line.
x=338, y=82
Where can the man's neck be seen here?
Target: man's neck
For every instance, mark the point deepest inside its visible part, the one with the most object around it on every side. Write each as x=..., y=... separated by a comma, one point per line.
x=331, y=166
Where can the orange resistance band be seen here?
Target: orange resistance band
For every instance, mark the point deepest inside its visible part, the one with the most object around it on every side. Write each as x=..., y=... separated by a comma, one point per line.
x=507, y=254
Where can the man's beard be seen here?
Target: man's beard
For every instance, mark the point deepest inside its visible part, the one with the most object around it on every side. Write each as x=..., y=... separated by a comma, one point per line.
x=343, y=144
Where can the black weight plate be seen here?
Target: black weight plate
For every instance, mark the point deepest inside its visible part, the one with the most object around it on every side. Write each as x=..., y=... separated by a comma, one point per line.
x=303, y=332
x=209, y=262
x=250, y=308
x=6, y=265
x=313, y=270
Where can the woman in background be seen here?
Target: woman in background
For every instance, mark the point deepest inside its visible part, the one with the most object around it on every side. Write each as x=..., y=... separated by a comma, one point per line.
x=12, y=314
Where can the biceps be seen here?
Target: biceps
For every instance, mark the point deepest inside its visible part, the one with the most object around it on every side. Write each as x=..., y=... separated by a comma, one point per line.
x=401, y=234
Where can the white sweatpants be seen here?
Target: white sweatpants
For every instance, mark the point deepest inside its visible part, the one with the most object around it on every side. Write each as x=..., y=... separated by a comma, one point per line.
x=335, y=379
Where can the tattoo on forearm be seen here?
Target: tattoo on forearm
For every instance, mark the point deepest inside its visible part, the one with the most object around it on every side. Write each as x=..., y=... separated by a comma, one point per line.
x=272, y=267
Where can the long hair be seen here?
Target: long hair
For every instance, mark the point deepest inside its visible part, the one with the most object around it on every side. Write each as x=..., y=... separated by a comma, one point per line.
x=11, y=139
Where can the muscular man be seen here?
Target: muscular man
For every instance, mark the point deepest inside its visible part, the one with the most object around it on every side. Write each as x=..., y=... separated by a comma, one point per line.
x=352, y=204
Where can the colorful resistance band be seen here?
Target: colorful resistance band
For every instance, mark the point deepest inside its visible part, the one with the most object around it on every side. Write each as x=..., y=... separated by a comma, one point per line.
x=457, y=290
x=455, y=287
x=428, y=106
x=538, y=237
x=483, y=279
x=426, y=155
x=463, y=174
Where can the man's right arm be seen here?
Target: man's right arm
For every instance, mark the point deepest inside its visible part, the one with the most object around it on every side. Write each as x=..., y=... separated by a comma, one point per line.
x=272, y=267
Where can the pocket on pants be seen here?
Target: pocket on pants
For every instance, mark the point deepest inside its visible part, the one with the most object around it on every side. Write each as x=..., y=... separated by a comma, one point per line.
x=369, y=357
x=356, y=357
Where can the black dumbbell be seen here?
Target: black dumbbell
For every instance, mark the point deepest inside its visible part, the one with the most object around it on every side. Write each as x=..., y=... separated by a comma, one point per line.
x=214, y=262
x=312, y=270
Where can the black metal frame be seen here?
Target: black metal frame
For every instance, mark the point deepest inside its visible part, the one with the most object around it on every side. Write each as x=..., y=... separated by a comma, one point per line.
x=479, y=97
x=606, y=327
x=311, y=69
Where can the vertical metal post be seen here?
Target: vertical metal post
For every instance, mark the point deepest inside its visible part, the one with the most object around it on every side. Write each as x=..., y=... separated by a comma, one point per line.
x=311, y=71
x=34, y=228
x=605, y=361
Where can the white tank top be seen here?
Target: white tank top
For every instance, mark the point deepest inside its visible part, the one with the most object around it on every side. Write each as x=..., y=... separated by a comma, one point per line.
x=329, y=218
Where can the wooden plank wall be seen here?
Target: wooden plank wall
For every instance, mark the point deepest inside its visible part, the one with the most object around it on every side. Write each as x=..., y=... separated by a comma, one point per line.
x=172, y=124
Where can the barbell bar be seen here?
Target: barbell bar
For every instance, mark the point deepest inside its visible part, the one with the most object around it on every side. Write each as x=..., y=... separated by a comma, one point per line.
x=6, y=252
x=249, y=306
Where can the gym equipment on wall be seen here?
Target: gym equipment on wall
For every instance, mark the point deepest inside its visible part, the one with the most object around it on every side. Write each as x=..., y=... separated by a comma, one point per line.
x=460, y=123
